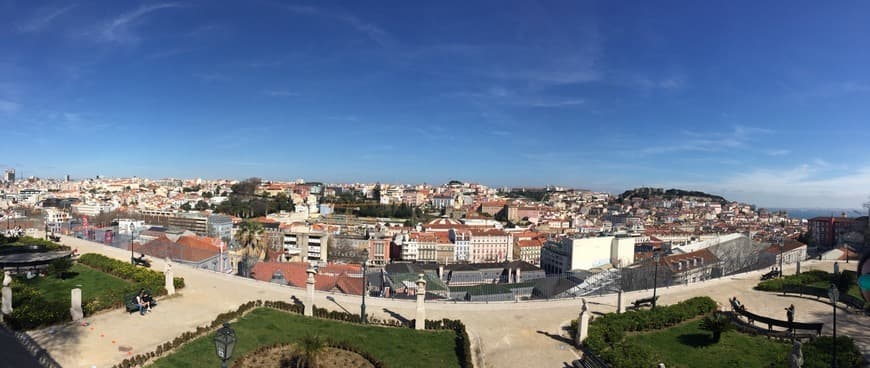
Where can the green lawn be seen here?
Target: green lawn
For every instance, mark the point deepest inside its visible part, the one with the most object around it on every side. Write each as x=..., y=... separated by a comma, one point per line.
x=687, y=345
x=396, y=347
x=93, y=284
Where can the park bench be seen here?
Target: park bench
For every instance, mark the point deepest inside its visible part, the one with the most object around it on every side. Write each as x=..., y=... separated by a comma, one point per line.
x=132, y=306
x=54, y=238
x=141, y=261
x=770, y=275
x=644, y=302
x=752, y=318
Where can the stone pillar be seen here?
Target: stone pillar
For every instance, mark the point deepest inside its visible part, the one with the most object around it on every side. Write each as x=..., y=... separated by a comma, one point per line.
x=420, y=322
x=169, y=282
x=582, y=328
x=6, y=296
x=519, y=277
x=620, y=307
x=797, y=270
x=75, y=308
x=309, y=292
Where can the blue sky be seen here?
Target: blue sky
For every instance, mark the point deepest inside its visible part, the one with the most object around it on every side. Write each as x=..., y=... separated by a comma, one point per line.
x=762, y=102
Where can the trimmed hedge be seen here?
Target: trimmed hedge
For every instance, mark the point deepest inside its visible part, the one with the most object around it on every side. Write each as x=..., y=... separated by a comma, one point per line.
x=31, y=309
x=606, y=333
x=817, y=353
x=25, y=241
x=142, y=277
x=805, y=278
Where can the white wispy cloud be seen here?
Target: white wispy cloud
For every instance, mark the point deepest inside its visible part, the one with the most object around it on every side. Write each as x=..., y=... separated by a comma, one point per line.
x=8, y=107
x=119, y=29
x=505, y=96
x=370, y=30
x=42, y=19
x=805, y=185
x=739, y=137
x=778, y=152
x=280, y=93
x=557, y=102
x=212, y=77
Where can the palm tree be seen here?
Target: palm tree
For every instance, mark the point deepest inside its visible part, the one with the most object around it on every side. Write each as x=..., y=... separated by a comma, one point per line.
x=717, y=323
x=249, y=235
x=310, y=348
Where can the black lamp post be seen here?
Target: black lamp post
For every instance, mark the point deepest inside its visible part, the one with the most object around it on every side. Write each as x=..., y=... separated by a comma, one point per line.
x=365, y=255
x=225, y=343
x=131, y=245
x=656, y=257
x=834, y=294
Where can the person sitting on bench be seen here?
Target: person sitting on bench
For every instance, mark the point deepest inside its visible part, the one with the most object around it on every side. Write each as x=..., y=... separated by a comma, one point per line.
x=143, y=304
x=150, y=300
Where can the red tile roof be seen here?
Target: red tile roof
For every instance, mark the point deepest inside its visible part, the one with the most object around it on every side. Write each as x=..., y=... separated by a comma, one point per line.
x=163, y=247
x=328, y=278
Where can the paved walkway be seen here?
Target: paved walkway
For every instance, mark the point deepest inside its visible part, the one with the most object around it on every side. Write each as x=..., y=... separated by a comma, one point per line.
x=507, y=334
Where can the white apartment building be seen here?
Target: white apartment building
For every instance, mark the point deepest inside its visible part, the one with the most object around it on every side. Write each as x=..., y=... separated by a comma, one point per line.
x=587, y=253
x=462, y=245
x=93, y=209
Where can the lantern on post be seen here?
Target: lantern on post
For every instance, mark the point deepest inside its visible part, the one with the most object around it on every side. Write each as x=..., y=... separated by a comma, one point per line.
x=225, y=343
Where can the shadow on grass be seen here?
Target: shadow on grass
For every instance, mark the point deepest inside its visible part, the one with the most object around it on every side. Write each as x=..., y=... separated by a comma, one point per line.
x=397, y=316
x=696, y=340
x=339, y=305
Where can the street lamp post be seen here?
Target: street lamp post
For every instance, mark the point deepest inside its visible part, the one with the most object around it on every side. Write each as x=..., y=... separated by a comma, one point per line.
x=365, y=254
x=131, y=245
x=225, y=343
x=834, y=294
x=656, y=257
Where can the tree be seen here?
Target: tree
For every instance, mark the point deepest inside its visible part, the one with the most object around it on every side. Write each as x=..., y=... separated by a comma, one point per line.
x=717, y=323
x=60, y=266
x=201, y=205
x=186, y=206
x=310, y=348
x=249, y=235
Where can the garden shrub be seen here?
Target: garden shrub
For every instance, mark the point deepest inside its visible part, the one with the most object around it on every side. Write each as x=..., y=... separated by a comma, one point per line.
x=141, y=277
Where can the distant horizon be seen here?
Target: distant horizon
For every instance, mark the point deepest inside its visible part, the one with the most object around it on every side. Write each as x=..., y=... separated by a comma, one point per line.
x=612, y=192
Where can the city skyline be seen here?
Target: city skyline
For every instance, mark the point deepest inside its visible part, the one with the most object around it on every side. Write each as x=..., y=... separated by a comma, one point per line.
x=765, y=107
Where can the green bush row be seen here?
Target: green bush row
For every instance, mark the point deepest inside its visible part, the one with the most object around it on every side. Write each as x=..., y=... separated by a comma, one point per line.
x=804, y=278
x=817, y=353
x=141, y=277
x=30, y=241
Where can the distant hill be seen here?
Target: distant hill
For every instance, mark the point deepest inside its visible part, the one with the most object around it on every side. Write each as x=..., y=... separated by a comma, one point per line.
x=646, y=193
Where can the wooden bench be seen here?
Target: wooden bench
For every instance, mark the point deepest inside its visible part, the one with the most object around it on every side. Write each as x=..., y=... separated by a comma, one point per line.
x=770, y=275
x=140, y=262
x=752, y=318
x=645, y=301
x=132, y=306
